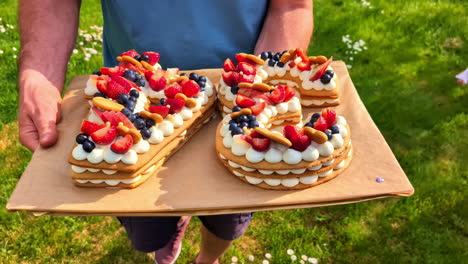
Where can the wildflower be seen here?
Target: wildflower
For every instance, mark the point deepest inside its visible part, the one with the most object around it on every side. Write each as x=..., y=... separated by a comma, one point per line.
x=14, y=48
x=268, y=255
x=265, y=261
x=1, y=51
x=302, y=262
x=313, y=260
x=251, y=258
x=290, y=251
x=234, y=259
x=14, y=56
x=293, y=258
x=75, y=51
x=304, y=257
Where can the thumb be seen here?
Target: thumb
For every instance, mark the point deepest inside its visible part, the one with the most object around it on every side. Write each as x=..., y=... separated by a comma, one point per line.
x=47, y=127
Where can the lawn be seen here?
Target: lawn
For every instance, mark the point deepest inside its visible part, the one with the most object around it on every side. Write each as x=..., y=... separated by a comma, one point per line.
x=402, y=56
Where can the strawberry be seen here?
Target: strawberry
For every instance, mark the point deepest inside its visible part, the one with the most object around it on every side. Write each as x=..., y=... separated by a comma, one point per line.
x=302, y=54
x=172, y=90
x=258, y=108
x=229, y=65
x=330, y=116
x=304, y=65
x=131, y=53
x=120, y=117
x=321, y=124
x=104, y=135
x=97, y=112
x=156, y=80
x=101, y=85
x=290, y=131
x=240, y=58
x=89, y=127
x=190, y=88
x=122, y=145
x=114, y=118
x=175, y=105
x=289, y=93
x=278, y=94
x=153, y=57
x=159, y=109
x=300, y=142
x=246, y=138
x=322, y=70
x=124, y=82
x=252, y=93
x=117, y=71
x=244, y=101
x=260, y=144
x=114, y=89
x=255, y=134
x=246, y=68
x=292, y=64
x=231, y=78
x=246, y=78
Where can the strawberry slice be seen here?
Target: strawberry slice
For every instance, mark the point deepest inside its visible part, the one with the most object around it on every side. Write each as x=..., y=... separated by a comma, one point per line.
x=104, y=135
x=321, y=124
x=322, y=70
x=252, y=93
x=330, y=116
x=244, y=101
x=292, y=64
x=131, y=53
x=255, y=134
x=304, y=65
x=231, y=78
x=258, y=108
x=289, y=93
x=229, y=65
x=246, y=138
x=116, y=71
x=153, y=57
x=98, y=112
x=156, y=80
x=190, y=88
x=261, y=144
x=175, y=105
x=302, y=54
x=246, y=78
x=159, y=109
x=122, y=145
x=114, y=89
x=89, y=127
x=240, y=58
x=300, y=142
x=124, y=82
x=120, y=117
x=278, y=94
x=290, y=131
x=172, y=90
x=246, y=68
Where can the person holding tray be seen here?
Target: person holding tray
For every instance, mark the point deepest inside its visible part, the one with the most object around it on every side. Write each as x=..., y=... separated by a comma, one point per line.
x=188, y=35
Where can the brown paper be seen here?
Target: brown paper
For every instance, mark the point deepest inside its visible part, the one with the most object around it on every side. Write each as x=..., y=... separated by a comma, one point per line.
x=194, y=182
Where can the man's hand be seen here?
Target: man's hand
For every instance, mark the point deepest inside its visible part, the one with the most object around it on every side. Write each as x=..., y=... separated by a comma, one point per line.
x=39, y=110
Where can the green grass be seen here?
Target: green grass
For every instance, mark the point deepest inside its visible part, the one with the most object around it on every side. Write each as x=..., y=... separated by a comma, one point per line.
x=405, y=78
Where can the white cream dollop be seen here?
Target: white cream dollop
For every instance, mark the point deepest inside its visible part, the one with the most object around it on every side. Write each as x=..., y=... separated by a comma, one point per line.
x=166, y=127
x=292, y=156
x=310, y=154
x=273, y=155
x=239, y=146
x=79, y=153
x=131, y=157
x=254, y=156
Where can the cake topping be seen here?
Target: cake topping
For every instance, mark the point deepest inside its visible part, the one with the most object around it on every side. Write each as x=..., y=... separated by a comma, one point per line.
x=122, y=145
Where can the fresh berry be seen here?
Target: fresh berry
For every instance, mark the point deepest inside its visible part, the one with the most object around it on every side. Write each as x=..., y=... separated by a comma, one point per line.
x=193, y=76
x=278, y=94
x=292, y=64
x=335, y=130
x=260, y=144
x=243, y=124
x=190, y=88
x=258, y=108
x=139, y=123
x=134, y=93
x=243, y=118
x=125, y=83
x=237, y=131
x=325, y=79
x=162, y=101
x=330, y=72
x=144, y=57
x=302, y=54
x=130, y=75
x=114, y=89
x=98, y=73
x=244, y=101
x=131, y=105
x=236, y=109
x=328, y=133
x=252, y=93
x=131, y=117
x=99, y=95
x=114, y=118
x=140, y=82
x=104, y=135
x=300, y=142
x=201, y=83
x=122, y=99
x=231, y=78
x=246, y=68
x=159, y=109
x=253, y=124
x=321, y=124
x=150, y=123
x=240, y=57
x=330, y=116
x=122, y=145
x=202, y=79
x=81, y=138
x=280, y=64
x=277, y=57
x=289, y=93
x=145, y=133
x=172, y=90
x=101, y=84
x=115, y=71
x=88, y=146
x=176, y=105
x=131, y=53
x=153, y=57
x=234, y=89
x=254, y=134
x=264, y=55
x=156, y=80
x=322, y=70
x=290, y=131
x=304, y=65
x=229, y=65
x=88, y=127
x=308, y=124
x=316, y=116
x=232, y=126
x=246, y=78
x=271, y=63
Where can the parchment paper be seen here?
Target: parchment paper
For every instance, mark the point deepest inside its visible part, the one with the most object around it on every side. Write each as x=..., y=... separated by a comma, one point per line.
x=194, y=182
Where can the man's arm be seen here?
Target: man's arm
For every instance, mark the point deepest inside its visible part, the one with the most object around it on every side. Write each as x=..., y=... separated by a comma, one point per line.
x=288, y=24
x=48, y=30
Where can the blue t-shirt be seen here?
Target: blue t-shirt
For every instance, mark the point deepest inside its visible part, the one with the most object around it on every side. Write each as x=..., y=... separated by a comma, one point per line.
x=187, y=34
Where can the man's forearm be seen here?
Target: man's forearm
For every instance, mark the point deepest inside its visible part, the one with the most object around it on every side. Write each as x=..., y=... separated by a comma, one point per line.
x=48, y=30
x=288, y=24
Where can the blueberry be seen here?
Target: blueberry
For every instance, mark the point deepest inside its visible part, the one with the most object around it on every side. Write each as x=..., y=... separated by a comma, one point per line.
x=162, y=101
x=202, y=79
x=234, y=89
x=150, y=123
x=122, y=98
x=243, y=118
x=328, y=133
x=130, y=75
x=99, y=95
x=276, y=57
x=144, y=57
x=280, y=64
x=237, y=131
x=98, y=73
x=335, y=130
x=264, y=55
x=88, y=146
x=138, y=58
x=271, y=63
x=244, y=124
x=183, y=74
x=201, y=83
x=308, y=124
x=140, y=82
x=316, y=116
x=270, y=55
x=252, y=117
x=131, y=117
x=193, y=76
x=253, y=124
x=132, y=98
x=139, y=123
x=131, y=105
x=236, y=109
x=126, y=112
x=330, y=72
x=134, y=93
x=81, y=138
x=232, y=126
x=325, y=78
x=145, y=133
x=137, y=115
